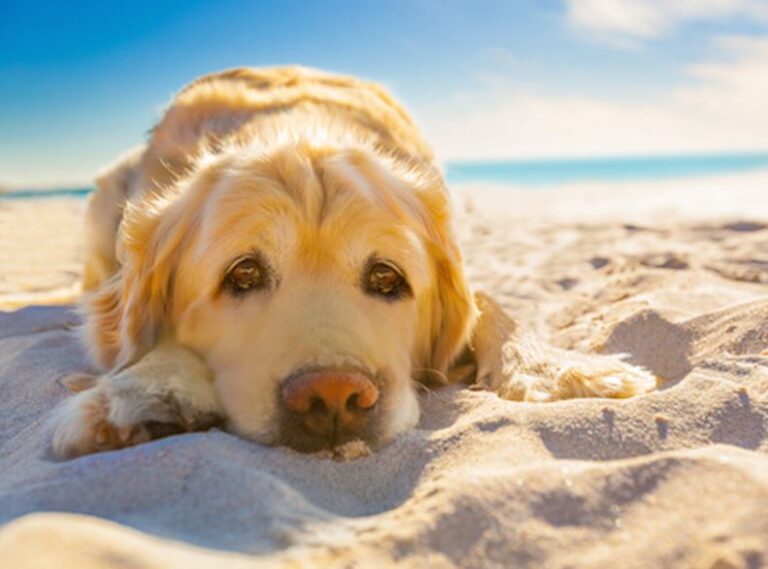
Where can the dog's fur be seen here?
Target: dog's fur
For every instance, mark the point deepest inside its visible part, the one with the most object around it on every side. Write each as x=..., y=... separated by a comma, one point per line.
x=316, y=174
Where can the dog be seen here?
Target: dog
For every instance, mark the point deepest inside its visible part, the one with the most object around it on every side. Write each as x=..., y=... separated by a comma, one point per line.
x=278, y=259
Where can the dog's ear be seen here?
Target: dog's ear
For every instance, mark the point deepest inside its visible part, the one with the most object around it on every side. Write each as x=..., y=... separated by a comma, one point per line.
x=454, y=311
x=105, y=207
x=449, y=314
x=124, y=318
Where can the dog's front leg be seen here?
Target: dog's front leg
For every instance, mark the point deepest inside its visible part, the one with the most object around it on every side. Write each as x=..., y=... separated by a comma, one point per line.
x=169, y=390
x=519, y=366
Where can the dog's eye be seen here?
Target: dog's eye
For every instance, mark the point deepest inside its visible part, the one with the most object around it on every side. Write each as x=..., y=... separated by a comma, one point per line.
x=245, y=275
x=386, y=280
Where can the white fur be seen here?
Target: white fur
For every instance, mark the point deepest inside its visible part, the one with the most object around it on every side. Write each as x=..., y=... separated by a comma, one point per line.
x=169, y=385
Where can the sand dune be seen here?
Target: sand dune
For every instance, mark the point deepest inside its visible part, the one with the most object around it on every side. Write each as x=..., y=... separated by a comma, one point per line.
x=676, y=478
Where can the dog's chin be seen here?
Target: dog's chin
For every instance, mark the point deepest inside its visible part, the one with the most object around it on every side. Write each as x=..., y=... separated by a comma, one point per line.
x=298, y=438
x=295, y=435
x=313, y=444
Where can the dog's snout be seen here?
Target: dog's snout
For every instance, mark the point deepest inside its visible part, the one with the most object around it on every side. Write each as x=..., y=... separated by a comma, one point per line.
x=329, y=393
x=328, y=408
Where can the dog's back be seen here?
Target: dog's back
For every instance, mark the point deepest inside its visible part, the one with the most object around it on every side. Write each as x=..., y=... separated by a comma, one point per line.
x=252, y=104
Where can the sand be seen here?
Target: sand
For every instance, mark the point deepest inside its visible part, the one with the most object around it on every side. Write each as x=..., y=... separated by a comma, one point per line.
x=40, y=251
x=678, y=478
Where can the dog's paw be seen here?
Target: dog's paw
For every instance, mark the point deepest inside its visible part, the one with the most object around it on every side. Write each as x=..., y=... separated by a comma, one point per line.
x=603, y=376
x=84, y=424
x=568, y=375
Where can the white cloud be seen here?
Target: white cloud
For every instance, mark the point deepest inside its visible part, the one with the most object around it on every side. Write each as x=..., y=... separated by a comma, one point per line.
x=625, y=22
x=719, y=106
x=738, y=87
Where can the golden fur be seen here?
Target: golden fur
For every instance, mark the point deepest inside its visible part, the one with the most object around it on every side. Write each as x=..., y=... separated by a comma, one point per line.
x=318, y=172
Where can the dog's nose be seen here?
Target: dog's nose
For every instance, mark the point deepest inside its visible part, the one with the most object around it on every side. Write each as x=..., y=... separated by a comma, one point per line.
x=327, y=408
x=329, y=393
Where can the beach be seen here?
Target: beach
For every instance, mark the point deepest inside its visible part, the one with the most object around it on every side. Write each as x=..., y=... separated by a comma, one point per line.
x=41, y=251
x=674, y=274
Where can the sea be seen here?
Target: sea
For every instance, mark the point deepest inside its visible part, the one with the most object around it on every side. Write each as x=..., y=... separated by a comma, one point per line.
x=544, y=173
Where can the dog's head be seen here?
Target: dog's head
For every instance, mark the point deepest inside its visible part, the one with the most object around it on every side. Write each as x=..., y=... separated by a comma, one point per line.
x=318, y=283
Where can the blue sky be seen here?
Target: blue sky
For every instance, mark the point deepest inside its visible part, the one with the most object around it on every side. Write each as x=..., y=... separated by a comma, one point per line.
x=82, y=81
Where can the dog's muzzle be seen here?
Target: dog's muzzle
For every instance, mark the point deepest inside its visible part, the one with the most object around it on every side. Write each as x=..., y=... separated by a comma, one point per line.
x=328, y=408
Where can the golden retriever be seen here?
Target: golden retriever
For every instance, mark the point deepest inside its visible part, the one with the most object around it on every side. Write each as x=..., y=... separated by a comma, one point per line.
x=279, y=259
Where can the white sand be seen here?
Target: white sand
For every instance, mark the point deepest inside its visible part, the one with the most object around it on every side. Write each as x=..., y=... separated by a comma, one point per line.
x=40, y=251
x=678, y=478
